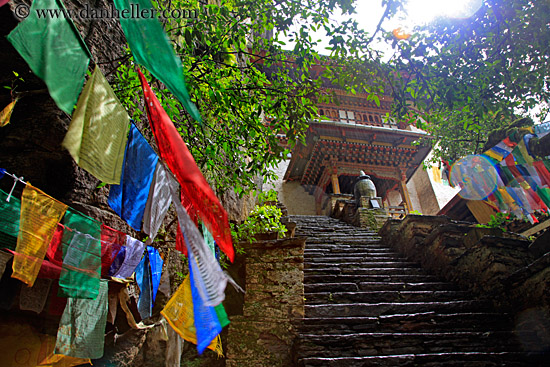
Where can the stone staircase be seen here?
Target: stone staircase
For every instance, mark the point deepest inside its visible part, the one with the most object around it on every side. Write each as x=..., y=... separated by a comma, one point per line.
x=368, y=306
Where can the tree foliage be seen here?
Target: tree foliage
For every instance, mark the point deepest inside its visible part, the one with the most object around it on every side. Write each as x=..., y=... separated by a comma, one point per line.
x=246, y=83
x=467, y=77
x=459, y=79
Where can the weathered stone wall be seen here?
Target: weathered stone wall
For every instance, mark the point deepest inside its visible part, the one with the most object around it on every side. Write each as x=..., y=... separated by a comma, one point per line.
x=265, y=333
x=493, y=264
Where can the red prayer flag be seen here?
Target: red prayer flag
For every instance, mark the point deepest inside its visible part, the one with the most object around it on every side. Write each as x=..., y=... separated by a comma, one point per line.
x=200, y=198
x=543, y=172
x=111, y=243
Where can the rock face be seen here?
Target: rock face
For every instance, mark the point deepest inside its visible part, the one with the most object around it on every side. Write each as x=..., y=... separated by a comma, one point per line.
x=367, y=305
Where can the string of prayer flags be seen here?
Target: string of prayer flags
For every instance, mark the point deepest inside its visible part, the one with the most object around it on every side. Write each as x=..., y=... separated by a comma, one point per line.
x=155, y=262
x=143, y=279
x=40, y=214
x=111, y=243
x=54, y=51
x=81, y=332
x=174, y=152
x=5, y=114
x=179, y=314
x=129, y=198
x=152, y=48
x=81, y=266
x=133, y=253
x=98, y=131
x=158, y=202
x=9, y=220
x=210, y=279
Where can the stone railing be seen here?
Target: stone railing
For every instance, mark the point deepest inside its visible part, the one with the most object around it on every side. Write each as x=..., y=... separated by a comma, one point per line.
x=492, y=264
x=264, y=335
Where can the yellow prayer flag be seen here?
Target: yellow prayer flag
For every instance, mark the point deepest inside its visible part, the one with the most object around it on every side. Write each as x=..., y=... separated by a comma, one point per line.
x=99, y=130
x=40, y=214
x=5, y=115
x=179, y=314
x=437, y=174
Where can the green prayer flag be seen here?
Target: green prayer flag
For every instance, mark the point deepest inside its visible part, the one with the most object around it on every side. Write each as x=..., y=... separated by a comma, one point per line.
x=151, y=48
x=81, y=246
x=54, y=51
x=9, y=221
x=98, y=132
x=81, y=330
x=518, y=155
x=544, y=194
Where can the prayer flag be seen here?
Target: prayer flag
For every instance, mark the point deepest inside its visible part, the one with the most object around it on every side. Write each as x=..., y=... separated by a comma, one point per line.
x=98, y=132
x=5, y=114
x=4, y=259
x=118, y=261
x=10, y=212
x=81, y=332
x=543, y=173
x=23, y=346
x=174, y=152
x=151, y=48
x=436, y=172
x=179, y=314
x=133, y=253
x=155, y=262
x=34, y=298
x=40, y=214
x=111, y=243
x=129, y=198
x=143, y=279
x=207, y=325
x=81, y=267
x=158, y=202
x=54, y=51
x=209, y=277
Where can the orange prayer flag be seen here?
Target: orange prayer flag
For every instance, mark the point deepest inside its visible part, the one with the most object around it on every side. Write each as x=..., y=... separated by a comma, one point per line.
x=5, y=114
x=40, y=214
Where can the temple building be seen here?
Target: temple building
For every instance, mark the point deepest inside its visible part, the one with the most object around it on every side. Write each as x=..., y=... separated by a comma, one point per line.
x=356, y=135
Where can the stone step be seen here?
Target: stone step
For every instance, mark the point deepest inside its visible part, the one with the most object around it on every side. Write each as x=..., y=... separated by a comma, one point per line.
x=377, y=286
x=383, y=296
x=362, y=270
x=347, y=258
x=368, y=247
x=372, y=263
x=335, y=251
x=416, y=322
x=377, y=344
x=390, y=308
x=347, y=278
x=458, y=359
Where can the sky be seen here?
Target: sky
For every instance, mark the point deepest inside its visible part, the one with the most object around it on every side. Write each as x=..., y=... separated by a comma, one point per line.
x=419, y=12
